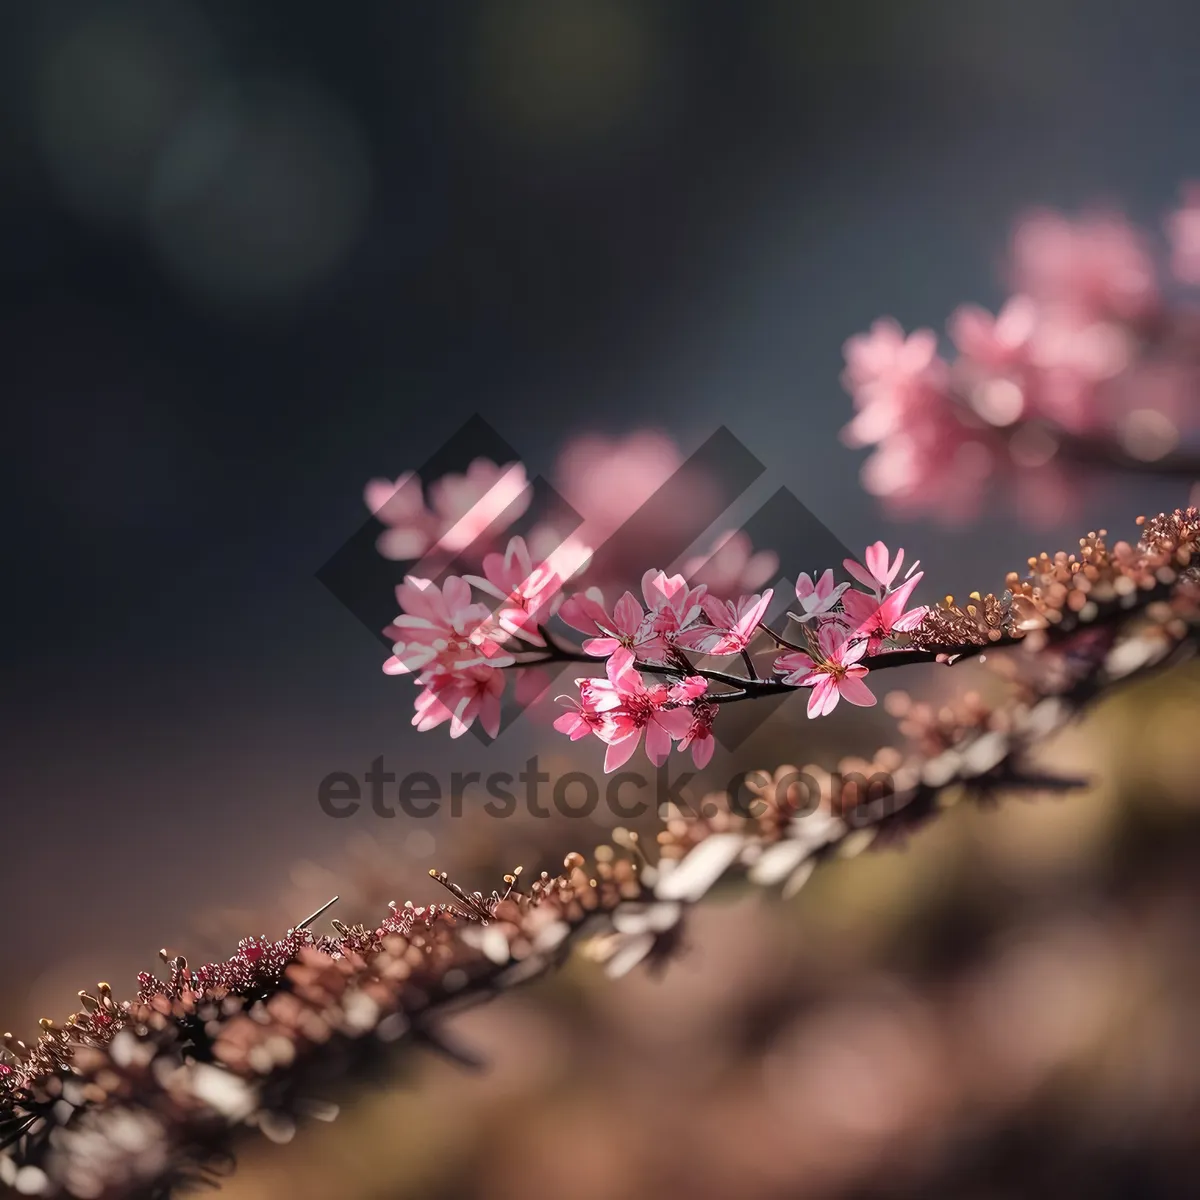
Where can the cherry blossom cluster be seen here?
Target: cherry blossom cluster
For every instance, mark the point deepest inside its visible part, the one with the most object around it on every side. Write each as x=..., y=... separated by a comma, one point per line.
x=1091, y=360
x=457, y=647
x=461, y=516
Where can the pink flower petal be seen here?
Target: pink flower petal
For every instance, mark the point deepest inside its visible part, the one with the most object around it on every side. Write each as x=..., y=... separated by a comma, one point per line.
x=856, y=692
x=823, y=699
x=620, y=752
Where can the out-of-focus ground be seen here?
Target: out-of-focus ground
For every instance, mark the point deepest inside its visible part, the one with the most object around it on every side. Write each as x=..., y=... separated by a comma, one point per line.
x=1006, y=1007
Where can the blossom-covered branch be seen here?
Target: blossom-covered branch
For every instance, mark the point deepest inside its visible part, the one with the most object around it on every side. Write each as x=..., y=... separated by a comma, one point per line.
x=656, y=691
x=131, y=1098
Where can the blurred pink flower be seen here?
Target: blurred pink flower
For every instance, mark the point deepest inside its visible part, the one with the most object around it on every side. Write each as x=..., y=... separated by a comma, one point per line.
x=885, y=356
x=999, y=343
x=1183, y=230
x=731, y=566
x=937, y=467
x=836, y=673
x=462, y=508
x=607, y=480
x=891, y=379
x=400, y=505
x=469, y=505
x=1098, y=265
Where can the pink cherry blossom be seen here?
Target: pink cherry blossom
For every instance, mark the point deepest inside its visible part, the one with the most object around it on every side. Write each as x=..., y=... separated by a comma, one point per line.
x=881, y=568
x=816, y=598
x=731, y=566
x=878, y=620
x=642, y=709
x=620, y=636
x=529, y=595
x=440, y=629
x=461, y=697
x=834, y=674
x=596, y=697
x=733, y=627
x=673, y=605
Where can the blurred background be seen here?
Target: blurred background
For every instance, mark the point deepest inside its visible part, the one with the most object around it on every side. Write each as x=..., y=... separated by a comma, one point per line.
x=253, y=255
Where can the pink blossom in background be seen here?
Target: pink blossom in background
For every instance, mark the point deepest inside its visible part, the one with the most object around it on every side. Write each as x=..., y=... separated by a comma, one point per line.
x=470, y=504
x=893, y=380
x=886, y=357
x=999, y=343
x=734, y=624
x=1183, y=230
x=396, y=501
x=936, y=465
x=731, y=566
x=400, y=505
x=606, y=480
x=461, y=509
x=816, y=598
x=568, y=557
x=1099, y=265
x=836, y=673
x=1086, y=352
